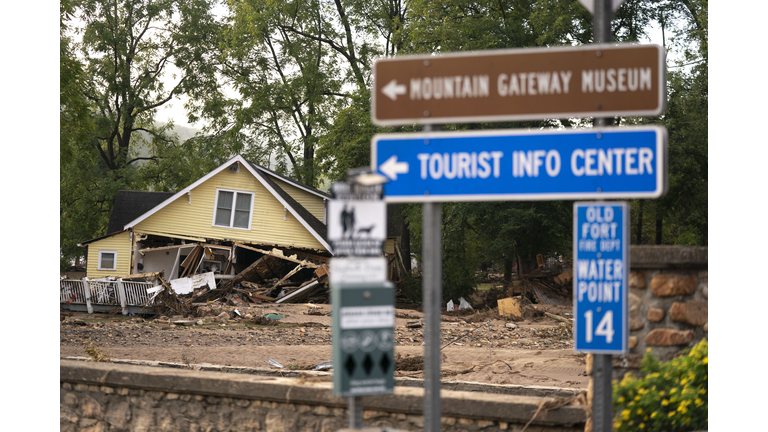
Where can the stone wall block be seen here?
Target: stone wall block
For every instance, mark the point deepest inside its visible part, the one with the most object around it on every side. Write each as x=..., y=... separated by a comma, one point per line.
x=90, y=408
x=143, y=420
x=632, y=342
x=280, y=421
x=66, y=415
x=634, y=303
x=655, y=314
x=164, y=420
x=635, y=323
x=637, y=280
x=91, y=425
x=330, y=425
x=119, y=414
x=69, y=399
x=692, y=312
x=669, y=337
x=195, y=410
x=668, y=285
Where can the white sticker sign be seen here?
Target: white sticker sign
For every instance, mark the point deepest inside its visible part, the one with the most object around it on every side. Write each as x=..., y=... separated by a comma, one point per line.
x=358, y=270
x=357, y=317
x=357, y=220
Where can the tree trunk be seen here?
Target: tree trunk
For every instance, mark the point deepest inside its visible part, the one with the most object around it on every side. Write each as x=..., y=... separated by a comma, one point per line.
x=659, y=225
x=507, y=268
x=639, y=226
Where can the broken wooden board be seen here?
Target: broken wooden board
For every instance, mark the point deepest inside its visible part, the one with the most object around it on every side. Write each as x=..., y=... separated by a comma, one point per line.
x=564, y=277
x=510, y=307
x=548, y=296
x=141, y=276
x=278, y=253
x=321, y=271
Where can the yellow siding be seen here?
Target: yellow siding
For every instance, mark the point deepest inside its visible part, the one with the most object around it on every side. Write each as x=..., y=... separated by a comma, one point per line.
x=313, y=203
x=196, y=219
x=120, y=243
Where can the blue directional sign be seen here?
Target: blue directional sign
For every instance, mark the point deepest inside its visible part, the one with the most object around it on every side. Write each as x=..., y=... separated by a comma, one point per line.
x=518, y=164
x=600, y=269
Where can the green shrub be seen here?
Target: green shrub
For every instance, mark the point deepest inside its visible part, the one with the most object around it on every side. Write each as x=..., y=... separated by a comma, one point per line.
x=670, y=396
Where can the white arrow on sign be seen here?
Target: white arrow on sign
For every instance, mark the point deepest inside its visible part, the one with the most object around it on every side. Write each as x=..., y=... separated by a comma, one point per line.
x=391, y=168
x=590, y=5
x=392, y=89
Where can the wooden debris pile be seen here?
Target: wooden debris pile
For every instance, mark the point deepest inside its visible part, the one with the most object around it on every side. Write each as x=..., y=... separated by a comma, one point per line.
x=273, y=277
x=549, y=287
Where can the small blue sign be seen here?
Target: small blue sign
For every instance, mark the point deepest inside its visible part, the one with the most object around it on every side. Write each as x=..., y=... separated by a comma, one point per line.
x=518, y=164
x=600, y=275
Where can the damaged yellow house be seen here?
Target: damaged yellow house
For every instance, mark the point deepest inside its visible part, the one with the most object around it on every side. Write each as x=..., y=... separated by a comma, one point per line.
x=235, y=213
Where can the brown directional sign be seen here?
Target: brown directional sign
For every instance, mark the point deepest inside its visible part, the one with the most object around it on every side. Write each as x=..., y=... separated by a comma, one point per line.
x=522, y=84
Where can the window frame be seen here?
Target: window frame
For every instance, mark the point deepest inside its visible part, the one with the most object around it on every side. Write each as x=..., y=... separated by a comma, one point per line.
x=114, y=260
x=234, y=207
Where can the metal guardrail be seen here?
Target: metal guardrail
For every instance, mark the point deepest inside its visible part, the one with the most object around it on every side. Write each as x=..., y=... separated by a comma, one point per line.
x=105, y=293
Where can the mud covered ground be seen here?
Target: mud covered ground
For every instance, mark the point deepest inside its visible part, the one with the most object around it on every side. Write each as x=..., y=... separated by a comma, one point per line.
x=534, y=351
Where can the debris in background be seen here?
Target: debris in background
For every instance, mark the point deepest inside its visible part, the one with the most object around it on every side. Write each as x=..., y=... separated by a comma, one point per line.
x=324, y=366
x=186, y=285
x=449, y=306
x=275, y=364
x=463, y=304
x=510, y=307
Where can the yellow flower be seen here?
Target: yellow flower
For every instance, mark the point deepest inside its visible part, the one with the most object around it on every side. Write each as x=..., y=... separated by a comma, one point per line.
x=642, y=425
x=639, y=410
x=637, y=398
x=699, y=402
x=621, y=399
x=706, y=360
x=665, y=402
x=671, y=413
x=617, y=425
x=683, y=381
x=625, y=414
x=653, y=414
x=674, y=389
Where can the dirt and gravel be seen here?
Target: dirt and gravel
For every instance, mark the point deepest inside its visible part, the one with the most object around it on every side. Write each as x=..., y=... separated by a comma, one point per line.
x=535, y=351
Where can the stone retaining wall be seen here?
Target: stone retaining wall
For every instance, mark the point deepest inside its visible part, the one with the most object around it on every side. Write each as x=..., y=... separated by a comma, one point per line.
x=668, y=291
x=119, y=397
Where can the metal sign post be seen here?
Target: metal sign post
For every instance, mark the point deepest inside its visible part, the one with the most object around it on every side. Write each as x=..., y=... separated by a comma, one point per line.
x=602, y=370
x=362, y=300
x=432, y=292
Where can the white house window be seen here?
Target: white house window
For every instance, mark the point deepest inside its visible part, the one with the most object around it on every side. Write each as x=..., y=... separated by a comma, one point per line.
x=233, y=209
x=107, y=260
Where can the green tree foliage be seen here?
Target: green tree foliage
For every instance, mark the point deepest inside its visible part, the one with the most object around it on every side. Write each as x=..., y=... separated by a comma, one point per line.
x=114, y=57
x=680, y=217
x=291, y=66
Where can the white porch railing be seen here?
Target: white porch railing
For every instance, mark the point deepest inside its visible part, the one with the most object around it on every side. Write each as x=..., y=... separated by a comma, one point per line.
x=107, y=293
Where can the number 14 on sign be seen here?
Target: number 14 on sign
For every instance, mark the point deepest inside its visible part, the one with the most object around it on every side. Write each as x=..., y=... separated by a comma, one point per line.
x=604, y=328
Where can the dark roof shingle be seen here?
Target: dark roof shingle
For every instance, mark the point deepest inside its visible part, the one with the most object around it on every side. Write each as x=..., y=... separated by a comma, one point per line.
x=129, y=205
